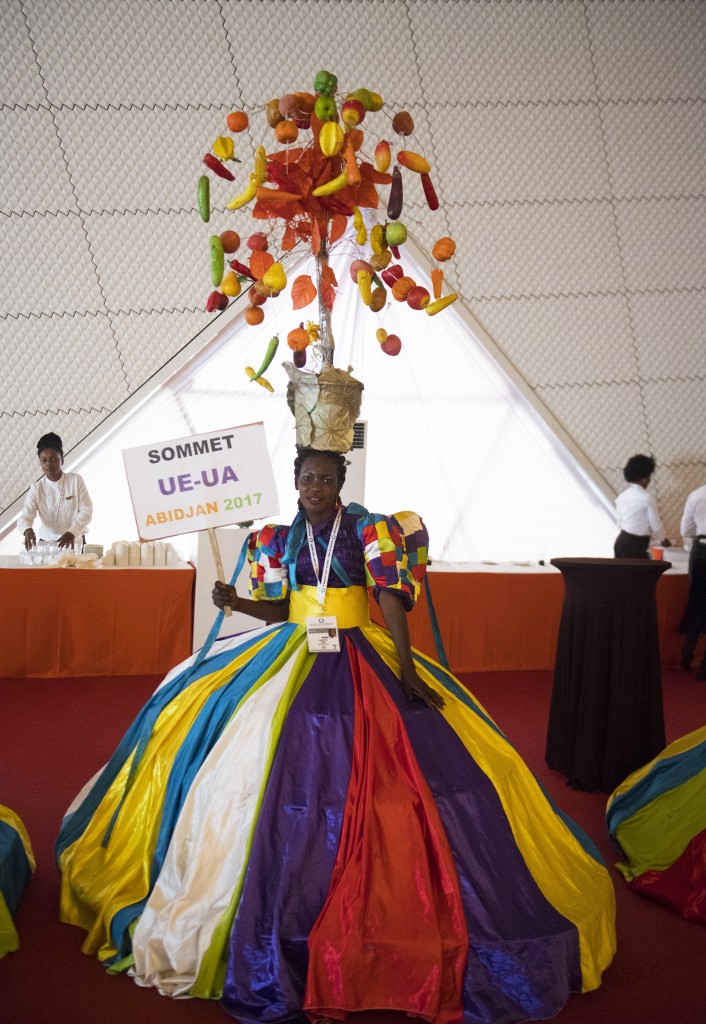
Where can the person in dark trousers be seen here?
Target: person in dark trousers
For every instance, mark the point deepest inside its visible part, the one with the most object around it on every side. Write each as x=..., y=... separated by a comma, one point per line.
x=638, y=518
x=693, y=526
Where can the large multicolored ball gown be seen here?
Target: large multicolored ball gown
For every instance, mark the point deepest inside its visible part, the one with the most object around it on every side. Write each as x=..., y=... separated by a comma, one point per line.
x=284, y=831
x=657, y=818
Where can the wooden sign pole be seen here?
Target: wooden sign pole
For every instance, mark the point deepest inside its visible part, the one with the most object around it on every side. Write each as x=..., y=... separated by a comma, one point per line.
x=219, y=564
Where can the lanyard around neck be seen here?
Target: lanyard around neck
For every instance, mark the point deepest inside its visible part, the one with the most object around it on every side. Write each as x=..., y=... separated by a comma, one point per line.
x=322, y=581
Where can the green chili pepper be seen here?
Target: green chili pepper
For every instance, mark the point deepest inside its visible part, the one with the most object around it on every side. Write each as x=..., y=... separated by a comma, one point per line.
x=269, y=356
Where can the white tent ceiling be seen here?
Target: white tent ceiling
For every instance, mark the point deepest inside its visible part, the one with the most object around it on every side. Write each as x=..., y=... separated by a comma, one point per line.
x=568, y=147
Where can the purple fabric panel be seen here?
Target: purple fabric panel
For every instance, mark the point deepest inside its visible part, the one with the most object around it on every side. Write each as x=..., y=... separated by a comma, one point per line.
x=349, y=552
x=524, y=956
x=294, y=849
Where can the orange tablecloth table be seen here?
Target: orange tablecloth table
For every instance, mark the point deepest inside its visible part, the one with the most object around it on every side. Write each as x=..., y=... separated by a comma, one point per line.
x=94, y=622
x=493, y=620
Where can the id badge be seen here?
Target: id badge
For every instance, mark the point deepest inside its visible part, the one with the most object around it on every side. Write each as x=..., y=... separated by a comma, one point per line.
x=322, y=634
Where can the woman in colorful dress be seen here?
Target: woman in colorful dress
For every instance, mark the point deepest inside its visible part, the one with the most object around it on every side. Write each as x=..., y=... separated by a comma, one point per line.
x=335, y=833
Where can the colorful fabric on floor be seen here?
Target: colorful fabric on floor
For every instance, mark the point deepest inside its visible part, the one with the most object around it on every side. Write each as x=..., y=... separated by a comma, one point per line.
x=284, y=831
x=657, y=818
x=16, y=867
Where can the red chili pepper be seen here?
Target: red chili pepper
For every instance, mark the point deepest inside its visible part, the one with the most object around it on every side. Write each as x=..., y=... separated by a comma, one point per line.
x=215, y=165
x=430, y=192
x=395, y=251
x=240, y=268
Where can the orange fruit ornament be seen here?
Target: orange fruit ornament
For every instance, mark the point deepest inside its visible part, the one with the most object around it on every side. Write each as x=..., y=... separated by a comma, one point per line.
x=286, y=131
x=237, y=121
x=298, y=339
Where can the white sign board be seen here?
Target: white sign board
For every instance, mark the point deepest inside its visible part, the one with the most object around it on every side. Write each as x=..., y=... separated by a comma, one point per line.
x=200, y=482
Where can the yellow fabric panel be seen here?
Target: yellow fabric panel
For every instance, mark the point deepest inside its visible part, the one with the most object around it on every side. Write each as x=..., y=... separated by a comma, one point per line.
x=9, y=939
x=349, y=605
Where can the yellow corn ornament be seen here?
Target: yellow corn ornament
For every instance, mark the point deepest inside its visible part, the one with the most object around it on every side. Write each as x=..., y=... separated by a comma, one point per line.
x=260, y=165
x=436, y=307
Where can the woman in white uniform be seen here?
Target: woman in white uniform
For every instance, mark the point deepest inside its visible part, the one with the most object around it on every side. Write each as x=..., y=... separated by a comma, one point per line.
x=60, y=499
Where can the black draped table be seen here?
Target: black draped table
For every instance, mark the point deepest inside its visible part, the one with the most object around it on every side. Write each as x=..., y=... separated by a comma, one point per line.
x=606, y=717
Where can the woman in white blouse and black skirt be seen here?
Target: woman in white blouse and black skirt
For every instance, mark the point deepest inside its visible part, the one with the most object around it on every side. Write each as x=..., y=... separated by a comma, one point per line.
x=638, y=518
x=59, y=499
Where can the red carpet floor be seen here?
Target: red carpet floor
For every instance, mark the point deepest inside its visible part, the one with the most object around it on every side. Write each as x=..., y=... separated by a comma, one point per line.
x=54, y=734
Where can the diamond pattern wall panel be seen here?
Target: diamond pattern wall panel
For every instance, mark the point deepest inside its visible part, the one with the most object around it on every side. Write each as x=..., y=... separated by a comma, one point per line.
x=139, y=159
x=606, y=420
x=50, y=270
x=662, y=242
x=172, y=269
x=88, y=374
x=520, y=153
x=20, y=77
x=32, y=170
x=675, y=416
x=675, y=482
x=564, y=340
x=279, y=46
x=656, y=149
x=481, y=52
x=147, y=340
x=499, y=245
x=669, y=333
x=648, y=50
x=127, y=52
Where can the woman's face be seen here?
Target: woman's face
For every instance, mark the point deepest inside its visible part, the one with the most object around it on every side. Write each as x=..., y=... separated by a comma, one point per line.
x=317, y=484
x=51, y=462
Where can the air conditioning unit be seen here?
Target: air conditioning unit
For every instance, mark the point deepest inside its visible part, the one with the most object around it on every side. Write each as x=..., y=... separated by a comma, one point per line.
x=354, y=487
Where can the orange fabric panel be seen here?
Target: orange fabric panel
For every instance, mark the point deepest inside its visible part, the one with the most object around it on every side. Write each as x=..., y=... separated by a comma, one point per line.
x=89, y=622
x=510, y=621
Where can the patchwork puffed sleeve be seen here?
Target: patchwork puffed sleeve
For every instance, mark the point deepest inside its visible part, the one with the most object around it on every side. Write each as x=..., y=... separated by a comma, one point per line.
x=395, y=553
x=268, y=576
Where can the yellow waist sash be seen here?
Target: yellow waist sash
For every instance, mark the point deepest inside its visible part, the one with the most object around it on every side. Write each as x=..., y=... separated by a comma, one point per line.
x=348, y=604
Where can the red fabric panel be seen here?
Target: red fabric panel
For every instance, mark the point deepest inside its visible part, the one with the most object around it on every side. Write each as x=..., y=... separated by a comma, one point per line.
x=392, y=934
x=682, y=887
x=94, y=622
